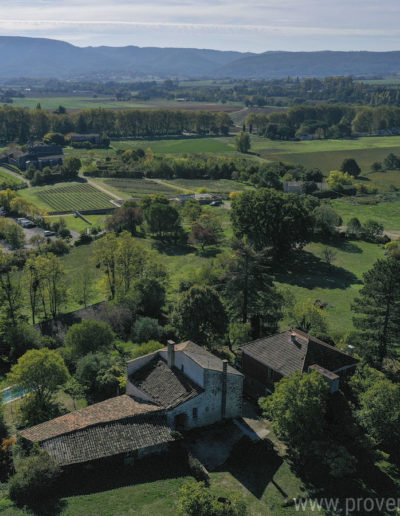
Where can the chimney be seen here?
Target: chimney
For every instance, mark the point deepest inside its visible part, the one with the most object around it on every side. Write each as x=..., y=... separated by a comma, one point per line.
x=351, y=350
x=224, y=381
x=171, y=354
x=293, y=337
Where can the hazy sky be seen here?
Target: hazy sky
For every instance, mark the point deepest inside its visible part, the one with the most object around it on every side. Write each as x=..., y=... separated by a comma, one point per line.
x=252, y=25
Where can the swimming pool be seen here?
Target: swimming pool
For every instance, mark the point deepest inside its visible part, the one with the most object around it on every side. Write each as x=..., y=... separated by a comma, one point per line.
x=13, y=393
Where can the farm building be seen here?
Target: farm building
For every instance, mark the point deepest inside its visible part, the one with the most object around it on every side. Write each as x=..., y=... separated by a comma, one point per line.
x=297, y=187
x=193, y=385
x=37, y=155
x=176, y=388
x=90, y=138
x=119, y=427
x=265, y=361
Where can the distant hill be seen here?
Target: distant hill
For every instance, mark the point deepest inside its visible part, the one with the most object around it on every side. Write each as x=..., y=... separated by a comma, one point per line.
x=311, y=64
x=46, y=58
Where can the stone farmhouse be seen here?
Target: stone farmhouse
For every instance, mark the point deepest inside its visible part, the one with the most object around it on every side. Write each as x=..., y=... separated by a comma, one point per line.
x=83, y=138
x=265, y=361
x=38, y=155
x=179, y=387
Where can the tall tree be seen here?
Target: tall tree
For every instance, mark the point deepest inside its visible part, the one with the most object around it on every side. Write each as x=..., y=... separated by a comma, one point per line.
x=378, y=311
x=42, y=372
x=242, y=142
x=249, y=290
x=271, y=219
x=297, y=409
x=200, y=316
x=10, y=290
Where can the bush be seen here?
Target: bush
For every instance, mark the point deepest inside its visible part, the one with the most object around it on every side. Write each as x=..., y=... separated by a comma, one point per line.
x=146, y=349
x=33, y=482
x=146, y=329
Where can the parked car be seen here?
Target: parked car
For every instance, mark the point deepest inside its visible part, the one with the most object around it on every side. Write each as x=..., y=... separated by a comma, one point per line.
x=27, y=224
x=3, y=213
x=48, y=233
x=216, y=203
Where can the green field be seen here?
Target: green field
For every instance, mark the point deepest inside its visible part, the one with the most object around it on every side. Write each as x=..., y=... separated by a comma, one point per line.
x=328, y=154
x=73, y=103
x=126, y=188
x=220, y=186
x=9, y=179
x=109, y=102
x=387, y=213
x=77, y=224
x=181, y=146
x=336, y=284
x=66, y=197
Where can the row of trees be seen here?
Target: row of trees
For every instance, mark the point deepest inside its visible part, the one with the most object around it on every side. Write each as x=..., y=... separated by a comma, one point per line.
x=21, y=125
x=325, y=121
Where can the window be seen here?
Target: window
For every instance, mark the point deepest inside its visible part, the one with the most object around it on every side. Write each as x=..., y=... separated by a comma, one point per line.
x=195, y=413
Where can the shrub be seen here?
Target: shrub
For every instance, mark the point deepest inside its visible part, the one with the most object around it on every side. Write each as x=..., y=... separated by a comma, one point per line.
x=34, y=479
x=145, y=329
x=146, y=349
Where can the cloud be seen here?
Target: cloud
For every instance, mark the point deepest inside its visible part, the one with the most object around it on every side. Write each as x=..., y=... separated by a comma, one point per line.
x=252, y=25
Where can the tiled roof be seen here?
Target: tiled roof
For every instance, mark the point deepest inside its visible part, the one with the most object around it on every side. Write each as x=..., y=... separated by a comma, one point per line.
x=203, y=357
x=106, y=411
x=109, y=439
x=166, y=387
x=284, y=356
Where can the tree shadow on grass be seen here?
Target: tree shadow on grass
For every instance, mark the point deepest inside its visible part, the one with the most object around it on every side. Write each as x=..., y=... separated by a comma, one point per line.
x=311, y=272
x=254, y=465
x=49, y=508
x=110, y=474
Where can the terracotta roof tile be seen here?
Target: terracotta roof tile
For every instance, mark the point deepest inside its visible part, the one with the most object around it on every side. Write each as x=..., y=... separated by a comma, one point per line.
x=109, y=439
x=106, y=411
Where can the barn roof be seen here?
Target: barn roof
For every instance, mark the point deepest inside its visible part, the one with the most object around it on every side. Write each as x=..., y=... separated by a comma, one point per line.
x=109, y=439
x=103, y=412
x=285, y=356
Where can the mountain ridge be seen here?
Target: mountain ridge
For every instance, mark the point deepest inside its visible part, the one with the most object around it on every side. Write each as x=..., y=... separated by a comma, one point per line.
x=47, y=58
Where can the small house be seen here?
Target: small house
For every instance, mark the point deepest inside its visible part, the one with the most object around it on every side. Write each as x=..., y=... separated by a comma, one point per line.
x=265, y=361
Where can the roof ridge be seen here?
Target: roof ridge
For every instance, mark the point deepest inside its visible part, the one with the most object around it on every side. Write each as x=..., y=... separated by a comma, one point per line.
x=321, y=342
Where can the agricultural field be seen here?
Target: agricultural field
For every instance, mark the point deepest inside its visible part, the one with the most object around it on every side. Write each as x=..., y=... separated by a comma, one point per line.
x=327, y=154
x=183, y=145
x=126, y=188
x=66, y=197
x=218, y=186
x=76, y=103
x=73, y=103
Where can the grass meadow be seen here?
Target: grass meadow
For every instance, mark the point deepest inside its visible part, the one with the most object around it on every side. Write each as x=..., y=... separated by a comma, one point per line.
x=9, y=179
x=108, y=102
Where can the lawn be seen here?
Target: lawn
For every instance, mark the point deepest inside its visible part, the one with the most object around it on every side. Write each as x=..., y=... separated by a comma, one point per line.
x=336, y=284
x=77, y=224
x=9, y=179
x=65, y=197
x=387, y=213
